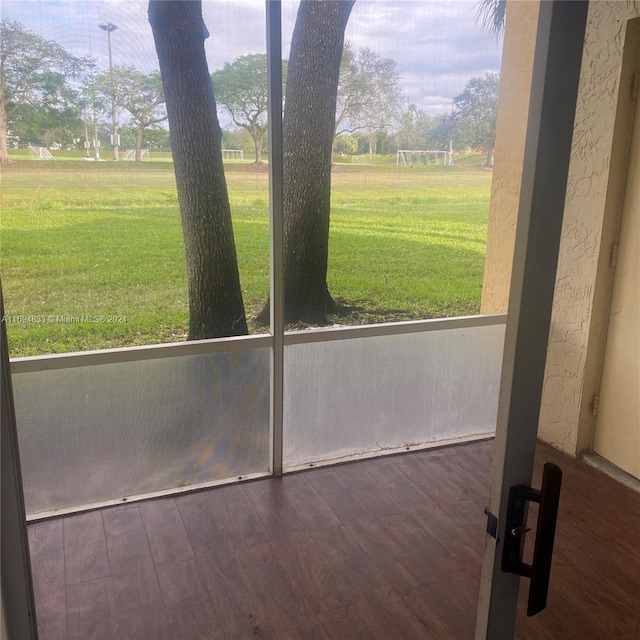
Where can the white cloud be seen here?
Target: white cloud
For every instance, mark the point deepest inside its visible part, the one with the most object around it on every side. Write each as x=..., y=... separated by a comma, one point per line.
x=437, y=44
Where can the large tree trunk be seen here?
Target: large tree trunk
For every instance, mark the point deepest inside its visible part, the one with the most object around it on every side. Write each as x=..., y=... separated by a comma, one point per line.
x=4, y=147
x=490, y=151
x=139, y=132
x=309, y=122
x=215, y=298
x=257, y=141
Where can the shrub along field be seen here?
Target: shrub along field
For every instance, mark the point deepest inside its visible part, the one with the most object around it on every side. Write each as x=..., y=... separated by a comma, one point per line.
x=92, y=254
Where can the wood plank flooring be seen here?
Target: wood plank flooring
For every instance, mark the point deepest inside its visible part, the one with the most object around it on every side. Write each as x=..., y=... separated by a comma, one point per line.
x=383, y=549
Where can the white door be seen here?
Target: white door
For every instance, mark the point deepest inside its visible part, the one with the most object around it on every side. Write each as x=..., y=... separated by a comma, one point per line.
x=556, y=71
x=617, y=434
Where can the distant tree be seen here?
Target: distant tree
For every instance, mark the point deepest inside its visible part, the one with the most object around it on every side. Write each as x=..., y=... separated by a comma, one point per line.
x=137, y=93
x=418, y=130
x=42, y=125
x=415, y=129
x=92, y=103
x=475, y=113
x=241, y=88
x=216, y=308
x=157, y=138
x=369, y=96
x=442, y=132
x=343, y=145
x=237, y=139
x=34, y=72
x=408, y=134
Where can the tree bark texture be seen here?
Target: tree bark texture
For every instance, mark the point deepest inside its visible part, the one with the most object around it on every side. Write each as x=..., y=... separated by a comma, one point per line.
x=257, y=142
x=4, y=143
x=4, y=146
x=309, y=121
x=138, y=156
x=215, y=298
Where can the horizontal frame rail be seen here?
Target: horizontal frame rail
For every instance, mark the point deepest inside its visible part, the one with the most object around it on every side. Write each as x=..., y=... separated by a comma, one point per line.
x=136, y=354
x=391, y=328
x=220, y=345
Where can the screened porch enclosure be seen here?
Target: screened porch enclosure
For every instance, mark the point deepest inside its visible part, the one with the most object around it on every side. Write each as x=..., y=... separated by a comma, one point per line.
x=106, y=427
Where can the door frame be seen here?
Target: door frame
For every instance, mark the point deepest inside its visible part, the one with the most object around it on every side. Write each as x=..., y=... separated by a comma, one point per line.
x=17, y=599
x=611, y=220
x=554, y=90
x=624, y=211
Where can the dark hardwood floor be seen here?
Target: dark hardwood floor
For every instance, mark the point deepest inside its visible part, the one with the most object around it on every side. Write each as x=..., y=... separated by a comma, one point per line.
x=382, y=549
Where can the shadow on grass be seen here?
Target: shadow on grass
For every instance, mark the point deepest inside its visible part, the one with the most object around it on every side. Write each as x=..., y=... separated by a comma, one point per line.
x=132, y=263
x=344, y=310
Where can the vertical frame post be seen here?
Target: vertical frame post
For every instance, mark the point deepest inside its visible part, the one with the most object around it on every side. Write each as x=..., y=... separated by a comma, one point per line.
x=17, y=600
x=554, y=89
x=276, y=294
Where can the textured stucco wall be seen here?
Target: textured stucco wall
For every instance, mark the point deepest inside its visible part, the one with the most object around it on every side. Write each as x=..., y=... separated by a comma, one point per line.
x=515, y=86
x=578, y=322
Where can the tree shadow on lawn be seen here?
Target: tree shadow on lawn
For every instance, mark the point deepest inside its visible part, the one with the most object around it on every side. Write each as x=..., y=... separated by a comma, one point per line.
x=378, y=279
x=368, y=313
x=356, y=314
x=96, y=255
x=390, y=278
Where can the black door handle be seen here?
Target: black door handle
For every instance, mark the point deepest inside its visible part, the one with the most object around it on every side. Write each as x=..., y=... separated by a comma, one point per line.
x=540, y=570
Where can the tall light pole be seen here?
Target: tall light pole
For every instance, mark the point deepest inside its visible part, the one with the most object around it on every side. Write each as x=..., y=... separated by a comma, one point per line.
x=109, y=27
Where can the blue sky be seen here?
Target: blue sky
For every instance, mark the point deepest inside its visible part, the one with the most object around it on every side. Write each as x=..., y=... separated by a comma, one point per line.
x=437, y=44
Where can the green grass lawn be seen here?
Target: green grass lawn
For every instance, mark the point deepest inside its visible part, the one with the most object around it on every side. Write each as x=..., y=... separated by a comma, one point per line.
x=102, y=242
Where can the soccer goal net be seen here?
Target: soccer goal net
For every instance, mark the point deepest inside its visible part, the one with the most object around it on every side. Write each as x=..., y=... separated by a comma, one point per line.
x=232, y=154
x=405, y=157
x=39, y=153
x=363, y=158
x=130, y=154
